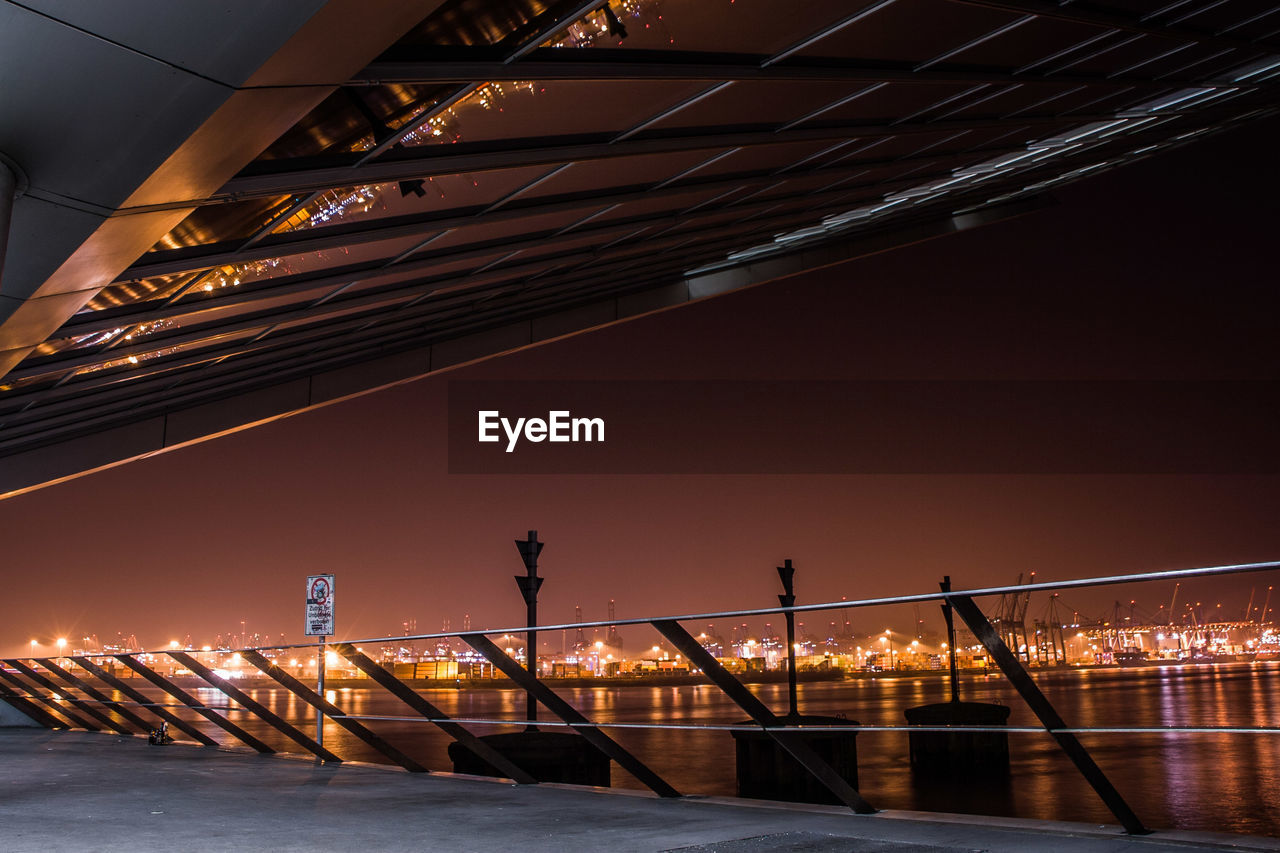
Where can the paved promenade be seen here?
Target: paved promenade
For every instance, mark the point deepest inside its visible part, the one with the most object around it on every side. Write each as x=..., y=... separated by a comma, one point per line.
x=73, y=791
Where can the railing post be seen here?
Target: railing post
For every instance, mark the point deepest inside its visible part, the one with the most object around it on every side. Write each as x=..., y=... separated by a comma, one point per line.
x=320, y=689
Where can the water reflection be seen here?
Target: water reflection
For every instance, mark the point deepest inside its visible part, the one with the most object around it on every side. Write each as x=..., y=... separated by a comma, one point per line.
x=1193, y=781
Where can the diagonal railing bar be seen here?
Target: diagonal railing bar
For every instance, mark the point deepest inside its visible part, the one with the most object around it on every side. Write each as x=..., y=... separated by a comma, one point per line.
x=253, y=705
x=324, y=706
x=790, y=739
x=193, y=703
x=143, y=699
x=415, y=701
x=41, y=681
x=1045, y=712
x=96, y=694
x=30, y=708
x=562, y=709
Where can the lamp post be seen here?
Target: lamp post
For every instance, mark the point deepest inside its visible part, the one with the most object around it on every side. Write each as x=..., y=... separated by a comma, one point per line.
x=787, y=574
x=529, y=584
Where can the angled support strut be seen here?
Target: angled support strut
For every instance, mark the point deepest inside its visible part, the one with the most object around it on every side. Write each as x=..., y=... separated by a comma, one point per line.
x=1047, y=714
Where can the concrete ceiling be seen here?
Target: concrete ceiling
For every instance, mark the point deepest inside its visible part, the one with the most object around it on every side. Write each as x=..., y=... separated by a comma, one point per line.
x=168, y=151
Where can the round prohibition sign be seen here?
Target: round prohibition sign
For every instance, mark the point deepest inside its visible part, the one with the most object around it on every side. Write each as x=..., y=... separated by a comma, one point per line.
x=320, y=590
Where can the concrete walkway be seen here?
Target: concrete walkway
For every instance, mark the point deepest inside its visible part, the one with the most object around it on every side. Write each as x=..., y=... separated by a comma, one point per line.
x=74, y=791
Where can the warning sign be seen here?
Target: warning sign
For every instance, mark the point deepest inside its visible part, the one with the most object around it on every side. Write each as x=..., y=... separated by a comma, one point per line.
x=319, y=618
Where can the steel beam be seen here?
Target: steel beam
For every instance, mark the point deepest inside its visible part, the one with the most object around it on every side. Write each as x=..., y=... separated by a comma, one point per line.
x=526, y=681
x=143, y=699
x=192, y=702
x=332, y=711
x=191, y=258
x=97, y=695
x=41, y=681
x=285, y=176
x=1044, y=711
x=516, y=45
x=266, y=353
x=527, y=39
x=1077, y=14
x=818, y=203
x=361, y=323
x=652, y=275
x=268, y=716
x=792, y=740
x=184, y=260
x=417, y=702
x=624, y=65
x=391, y=300
x=8, y=193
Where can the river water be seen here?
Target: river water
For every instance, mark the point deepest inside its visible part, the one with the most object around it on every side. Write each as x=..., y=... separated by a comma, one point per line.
x=1222, y=782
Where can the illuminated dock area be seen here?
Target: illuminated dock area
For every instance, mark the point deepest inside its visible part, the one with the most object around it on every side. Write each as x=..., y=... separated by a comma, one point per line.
x=74, y=791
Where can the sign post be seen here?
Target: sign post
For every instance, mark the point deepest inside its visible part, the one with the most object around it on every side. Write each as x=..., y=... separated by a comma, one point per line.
x=318, y=622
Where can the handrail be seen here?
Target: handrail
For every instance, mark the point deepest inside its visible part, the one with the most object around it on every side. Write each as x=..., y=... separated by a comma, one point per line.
x=915, y=598
x=788, y=736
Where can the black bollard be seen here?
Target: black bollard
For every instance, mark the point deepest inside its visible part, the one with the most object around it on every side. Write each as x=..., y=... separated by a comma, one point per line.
x=547, y=756
x=766, y=771
x=959, y=755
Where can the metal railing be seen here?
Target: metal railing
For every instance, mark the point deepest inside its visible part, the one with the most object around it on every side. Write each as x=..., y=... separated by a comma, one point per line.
x=77, y=700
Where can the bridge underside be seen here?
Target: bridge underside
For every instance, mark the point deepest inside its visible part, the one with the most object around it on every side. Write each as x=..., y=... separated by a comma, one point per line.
x=224, y=217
